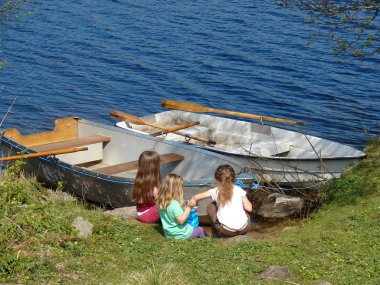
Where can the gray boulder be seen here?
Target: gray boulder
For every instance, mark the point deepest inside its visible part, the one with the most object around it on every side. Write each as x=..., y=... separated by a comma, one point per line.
x=83, y=226
x=278, y=205
x=125, y=212
x=275, y=273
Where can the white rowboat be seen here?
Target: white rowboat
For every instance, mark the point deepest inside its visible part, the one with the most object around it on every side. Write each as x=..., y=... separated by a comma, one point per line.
x=275, y=155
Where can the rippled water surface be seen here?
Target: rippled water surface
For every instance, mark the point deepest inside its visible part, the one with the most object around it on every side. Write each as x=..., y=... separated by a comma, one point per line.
x=81, y=58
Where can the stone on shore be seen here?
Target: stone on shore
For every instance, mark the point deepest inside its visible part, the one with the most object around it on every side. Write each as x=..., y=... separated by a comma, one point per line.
x=83, y=226
x=278, y=205
x=275, y=273
x=125, y=212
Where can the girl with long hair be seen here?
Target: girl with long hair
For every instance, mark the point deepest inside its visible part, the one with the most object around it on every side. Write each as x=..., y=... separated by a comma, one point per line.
x=173, y=217
x=146, y=185
x=228, y=212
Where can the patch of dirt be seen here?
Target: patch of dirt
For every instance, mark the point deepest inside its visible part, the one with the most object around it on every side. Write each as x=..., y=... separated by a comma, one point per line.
x=261, y=229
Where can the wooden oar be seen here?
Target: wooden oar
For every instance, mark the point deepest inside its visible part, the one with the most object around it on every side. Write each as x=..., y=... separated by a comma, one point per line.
x=174, y=129
x=138, y=121
x=43, y=153
x=191, y=107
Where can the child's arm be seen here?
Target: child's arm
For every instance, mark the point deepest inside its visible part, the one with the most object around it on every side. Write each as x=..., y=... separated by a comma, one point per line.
x=202, y=196
x=183, y=218
x=247, y=204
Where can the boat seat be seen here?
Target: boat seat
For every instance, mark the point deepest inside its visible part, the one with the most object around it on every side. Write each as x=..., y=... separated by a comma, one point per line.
x=133, y=165
x=94, y=152
x=73, y=143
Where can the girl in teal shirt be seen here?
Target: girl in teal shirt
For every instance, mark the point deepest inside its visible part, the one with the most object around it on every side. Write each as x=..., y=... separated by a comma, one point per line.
x=173, y=217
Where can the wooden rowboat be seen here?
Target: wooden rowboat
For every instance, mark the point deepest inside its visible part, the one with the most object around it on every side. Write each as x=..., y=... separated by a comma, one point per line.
x=103, y=170
x=275, y=155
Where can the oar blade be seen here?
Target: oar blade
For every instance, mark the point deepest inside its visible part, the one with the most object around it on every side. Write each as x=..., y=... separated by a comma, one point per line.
x=191, y=107
x=185, y=106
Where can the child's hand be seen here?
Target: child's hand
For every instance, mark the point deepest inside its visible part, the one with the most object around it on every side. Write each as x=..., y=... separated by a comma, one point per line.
x=192, y=203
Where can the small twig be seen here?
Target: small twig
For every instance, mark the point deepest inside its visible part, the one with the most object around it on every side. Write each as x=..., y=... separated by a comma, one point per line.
x=249, y=258
x=29, y=241
x=9, y=109
x=10, y=220
x=290, y=282
x=319, y=156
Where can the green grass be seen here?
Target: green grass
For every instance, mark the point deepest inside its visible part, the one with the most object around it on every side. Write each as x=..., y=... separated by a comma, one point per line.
x=339, y=244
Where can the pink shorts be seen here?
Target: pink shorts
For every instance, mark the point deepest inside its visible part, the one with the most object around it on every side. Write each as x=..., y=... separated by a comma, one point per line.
x=152, y=215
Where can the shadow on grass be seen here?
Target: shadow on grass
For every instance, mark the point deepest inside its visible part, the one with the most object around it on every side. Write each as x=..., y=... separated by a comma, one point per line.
x=158, y=228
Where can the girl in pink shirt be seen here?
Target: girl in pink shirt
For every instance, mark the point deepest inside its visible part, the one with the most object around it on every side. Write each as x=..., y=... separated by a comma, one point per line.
x=145, y=188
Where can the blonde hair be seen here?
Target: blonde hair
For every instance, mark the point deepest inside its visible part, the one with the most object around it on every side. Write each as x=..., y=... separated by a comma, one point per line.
x=225, y=178
x=171, y=189
x=148, y=176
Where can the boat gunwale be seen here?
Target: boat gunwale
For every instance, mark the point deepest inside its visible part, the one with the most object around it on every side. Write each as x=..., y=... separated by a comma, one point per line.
x=364, y=155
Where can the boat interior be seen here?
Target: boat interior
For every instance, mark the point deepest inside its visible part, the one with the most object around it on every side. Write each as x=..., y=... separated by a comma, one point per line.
x=65, y=136
x=246, y=138
x=260, y=145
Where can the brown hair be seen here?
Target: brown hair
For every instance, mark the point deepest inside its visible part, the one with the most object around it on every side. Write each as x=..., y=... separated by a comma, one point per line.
x=225, y=178
x=148, y=176
x=171, y=189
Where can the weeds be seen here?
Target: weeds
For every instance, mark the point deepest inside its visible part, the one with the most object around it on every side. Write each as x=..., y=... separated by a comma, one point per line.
x=361, y=181
x=166, y=274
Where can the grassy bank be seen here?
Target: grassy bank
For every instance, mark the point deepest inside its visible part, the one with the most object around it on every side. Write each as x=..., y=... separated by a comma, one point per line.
x=339, y=244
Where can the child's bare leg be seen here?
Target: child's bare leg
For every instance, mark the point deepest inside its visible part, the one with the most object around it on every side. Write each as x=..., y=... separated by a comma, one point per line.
x=211, y=210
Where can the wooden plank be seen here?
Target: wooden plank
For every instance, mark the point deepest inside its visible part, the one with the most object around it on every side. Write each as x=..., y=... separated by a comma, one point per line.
x=118, y=168
x=171, y=157
x=73, y=143
x=65, y=129
x=133, y=165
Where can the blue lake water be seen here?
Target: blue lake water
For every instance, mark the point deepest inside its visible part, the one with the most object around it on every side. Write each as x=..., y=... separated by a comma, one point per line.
x=81, y=58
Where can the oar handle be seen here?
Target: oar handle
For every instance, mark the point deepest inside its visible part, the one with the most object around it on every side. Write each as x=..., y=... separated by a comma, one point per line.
x=177, y=132
x=121, y=116
x=192, y=137
x=177, y=128
x=43, y=153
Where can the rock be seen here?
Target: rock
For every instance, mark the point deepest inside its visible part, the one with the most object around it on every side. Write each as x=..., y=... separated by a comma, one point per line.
x=275, y=273
x=278, y=205
x=84, y=227
x=125, y=212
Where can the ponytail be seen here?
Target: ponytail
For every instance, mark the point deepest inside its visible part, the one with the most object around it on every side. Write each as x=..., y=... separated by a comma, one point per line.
x=225, y=178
